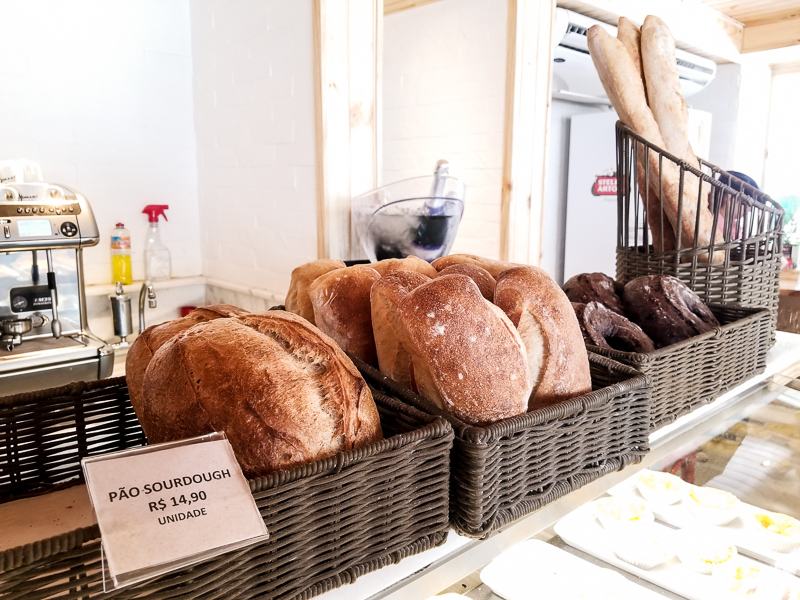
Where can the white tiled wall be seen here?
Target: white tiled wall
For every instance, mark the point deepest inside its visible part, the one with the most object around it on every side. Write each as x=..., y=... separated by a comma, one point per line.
x=254, y=118
x=99, y=93
x=444, y=76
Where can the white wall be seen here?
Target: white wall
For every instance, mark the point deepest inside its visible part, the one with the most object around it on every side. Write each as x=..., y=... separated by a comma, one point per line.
x=99, y=93
x=254, y=119
x=444, y=74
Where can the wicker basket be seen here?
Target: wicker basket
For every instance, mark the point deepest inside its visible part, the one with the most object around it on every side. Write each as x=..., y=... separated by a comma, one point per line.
x=691, y=373
x=508, y=469
x=747, y=227
x=329, y=521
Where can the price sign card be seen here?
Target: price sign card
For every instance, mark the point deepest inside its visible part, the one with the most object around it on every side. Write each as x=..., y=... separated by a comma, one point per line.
x=166, y=506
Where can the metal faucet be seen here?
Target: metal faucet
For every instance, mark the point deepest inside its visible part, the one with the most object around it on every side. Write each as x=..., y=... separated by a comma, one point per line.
x=151, y=295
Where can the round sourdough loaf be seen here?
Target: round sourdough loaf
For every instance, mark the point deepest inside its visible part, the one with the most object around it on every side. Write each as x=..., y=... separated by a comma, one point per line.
x=342, y=309
x=283, y=392
x=155, y=336
x=393, y=358
x=466, y=355
x=557, y=357
x=297, y=300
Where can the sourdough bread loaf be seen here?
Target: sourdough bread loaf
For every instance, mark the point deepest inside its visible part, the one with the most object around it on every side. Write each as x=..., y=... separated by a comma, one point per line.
x=466, y=355
x=409, y=263
x=385, y=296
x=283, y=392
x=556, y=353
x=297, y=300
x=482, y=278
x=151, y=339
x=342, y=309
x=495, y=267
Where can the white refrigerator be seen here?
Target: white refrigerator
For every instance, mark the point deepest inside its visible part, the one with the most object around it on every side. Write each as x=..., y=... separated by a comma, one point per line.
x=591, y=216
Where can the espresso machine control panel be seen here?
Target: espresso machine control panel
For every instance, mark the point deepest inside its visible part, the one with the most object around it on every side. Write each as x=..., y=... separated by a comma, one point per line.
x=44, y=215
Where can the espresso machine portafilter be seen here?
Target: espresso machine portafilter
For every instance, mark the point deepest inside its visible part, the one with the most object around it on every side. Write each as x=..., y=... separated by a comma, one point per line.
x=46, y=339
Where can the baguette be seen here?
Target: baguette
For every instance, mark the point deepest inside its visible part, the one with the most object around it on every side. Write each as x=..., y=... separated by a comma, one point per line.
x=617, y=70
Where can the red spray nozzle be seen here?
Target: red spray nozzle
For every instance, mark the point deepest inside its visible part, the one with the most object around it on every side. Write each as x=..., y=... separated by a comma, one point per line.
x=156, y=210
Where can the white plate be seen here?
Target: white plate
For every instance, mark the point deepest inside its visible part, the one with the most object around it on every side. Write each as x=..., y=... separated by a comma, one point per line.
x=581, y=530
x=535, y=569
x=741, y=531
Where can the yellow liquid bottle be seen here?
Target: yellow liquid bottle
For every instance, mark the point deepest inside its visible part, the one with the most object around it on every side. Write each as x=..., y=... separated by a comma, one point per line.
x=121, y=255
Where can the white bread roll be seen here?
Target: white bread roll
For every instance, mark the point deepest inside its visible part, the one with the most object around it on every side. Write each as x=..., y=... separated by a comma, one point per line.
x=297, y=300
x=393, y=358
x=557, y=357
x=466, y=355
x=342, y=309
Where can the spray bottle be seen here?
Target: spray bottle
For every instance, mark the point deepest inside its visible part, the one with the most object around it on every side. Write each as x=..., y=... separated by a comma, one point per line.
x=157, y=262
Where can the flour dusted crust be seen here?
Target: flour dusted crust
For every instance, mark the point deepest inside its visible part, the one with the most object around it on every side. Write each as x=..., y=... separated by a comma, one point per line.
x=467, y=357
x=495, y=267
x=541, y=311
x=282, y=391
x=621, y=81
x=409, y=263
x=482, y=278
x=297, y=300
x=342, y=309
x=393, y=359
x=155, y=336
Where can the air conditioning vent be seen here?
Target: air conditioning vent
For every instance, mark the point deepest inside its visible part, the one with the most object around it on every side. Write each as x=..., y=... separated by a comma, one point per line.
x=576, y=79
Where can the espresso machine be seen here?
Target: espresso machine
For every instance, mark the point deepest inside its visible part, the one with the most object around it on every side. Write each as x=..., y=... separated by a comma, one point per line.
x=45, y=339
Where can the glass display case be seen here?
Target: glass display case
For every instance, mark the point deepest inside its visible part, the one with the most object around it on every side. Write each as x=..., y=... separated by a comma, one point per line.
x=746, y=442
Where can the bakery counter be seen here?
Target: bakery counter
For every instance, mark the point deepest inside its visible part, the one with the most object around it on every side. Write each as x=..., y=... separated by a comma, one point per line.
x=716, y=445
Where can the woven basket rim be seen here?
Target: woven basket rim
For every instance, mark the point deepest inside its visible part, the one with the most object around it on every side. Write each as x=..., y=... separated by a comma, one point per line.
x=435, y=427
x=752, y=202
x=750, y=314
x=482, y=435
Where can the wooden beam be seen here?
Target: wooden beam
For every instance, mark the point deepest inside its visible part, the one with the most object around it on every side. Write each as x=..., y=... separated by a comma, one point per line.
x=347, y=40
x=768, y=36
x=528, y=77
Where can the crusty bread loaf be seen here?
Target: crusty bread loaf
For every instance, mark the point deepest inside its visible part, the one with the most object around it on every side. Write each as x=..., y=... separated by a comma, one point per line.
x=630, y=36
x=620, y=79
x=541, y=311
x=155, y=336
x=409, y=263
x=393, y=358
x=342, y=309
x=495, y=267
x=297, y=300
x=466, y=355
x=482, y=278
x=283, y=392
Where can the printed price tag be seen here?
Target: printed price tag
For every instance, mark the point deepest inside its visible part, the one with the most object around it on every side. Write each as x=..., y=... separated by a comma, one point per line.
x=166, y=506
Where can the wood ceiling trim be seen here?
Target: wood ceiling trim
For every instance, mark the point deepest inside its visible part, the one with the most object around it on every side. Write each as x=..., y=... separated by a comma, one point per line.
x=769, y=36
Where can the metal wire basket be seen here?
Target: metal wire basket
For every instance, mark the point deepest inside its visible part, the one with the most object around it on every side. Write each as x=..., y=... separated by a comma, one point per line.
x=727, y=244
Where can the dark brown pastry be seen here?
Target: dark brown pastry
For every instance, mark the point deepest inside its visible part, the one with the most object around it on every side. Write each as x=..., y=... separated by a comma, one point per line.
x=595, y=287
x=605, y=328
x=666, y=309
